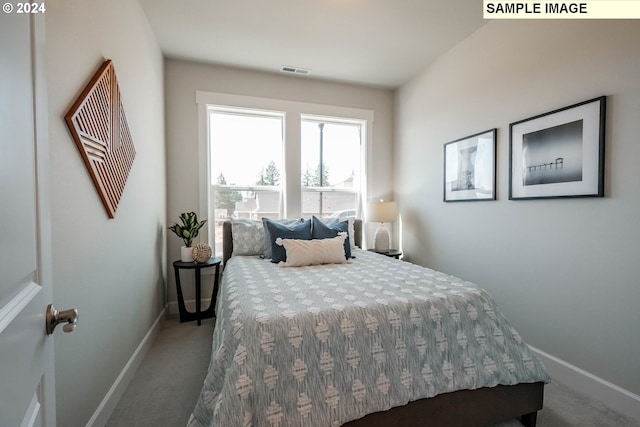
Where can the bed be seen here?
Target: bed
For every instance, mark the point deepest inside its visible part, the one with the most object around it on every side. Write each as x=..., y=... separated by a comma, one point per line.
x=373, y=342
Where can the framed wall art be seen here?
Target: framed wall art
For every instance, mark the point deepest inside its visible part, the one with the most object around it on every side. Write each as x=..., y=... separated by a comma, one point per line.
x=559, y=154
x=99, y=127
x=470, y=168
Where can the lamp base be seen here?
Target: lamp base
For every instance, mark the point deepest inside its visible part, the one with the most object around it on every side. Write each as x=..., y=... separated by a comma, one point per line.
x=381, y=239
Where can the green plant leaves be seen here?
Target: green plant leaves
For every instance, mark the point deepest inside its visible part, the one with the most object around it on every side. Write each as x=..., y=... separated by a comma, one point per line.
x=189, y=228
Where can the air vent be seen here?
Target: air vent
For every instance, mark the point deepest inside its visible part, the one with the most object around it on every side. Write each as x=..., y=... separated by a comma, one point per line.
x=295, y=70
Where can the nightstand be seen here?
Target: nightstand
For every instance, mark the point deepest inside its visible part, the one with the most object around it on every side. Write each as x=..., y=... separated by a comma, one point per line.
x=186, y=316
x=393, y=253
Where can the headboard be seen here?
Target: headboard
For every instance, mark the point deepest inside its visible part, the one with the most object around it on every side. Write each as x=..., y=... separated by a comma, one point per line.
x=227, y=238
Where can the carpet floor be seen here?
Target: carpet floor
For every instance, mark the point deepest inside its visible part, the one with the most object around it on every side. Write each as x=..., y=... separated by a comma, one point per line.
x=164, y=390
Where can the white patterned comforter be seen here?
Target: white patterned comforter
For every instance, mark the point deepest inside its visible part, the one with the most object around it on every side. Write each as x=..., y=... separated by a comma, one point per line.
x=323, y=345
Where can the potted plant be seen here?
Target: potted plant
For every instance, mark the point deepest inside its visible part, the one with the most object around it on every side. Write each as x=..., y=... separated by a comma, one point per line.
x=187, y=232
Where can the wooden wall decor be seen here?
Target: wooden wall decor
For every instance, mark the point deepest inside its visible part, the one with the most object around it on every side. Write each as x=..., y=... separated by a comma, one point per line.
x=99, y=127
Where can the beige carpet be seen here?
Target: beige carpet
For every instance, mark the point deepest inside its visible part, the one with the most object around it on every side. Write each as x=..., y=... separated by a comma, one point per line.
x=164, y=390
x=565, y=407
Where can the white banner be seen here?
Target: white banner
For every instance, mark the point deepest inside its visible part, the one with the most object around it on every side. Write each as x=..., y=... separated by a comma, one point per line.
x=587, y=9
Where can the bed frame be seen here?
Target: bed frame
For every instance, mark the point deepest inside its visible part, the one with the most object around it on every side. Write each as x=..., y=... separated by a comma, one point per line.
x=464, y=408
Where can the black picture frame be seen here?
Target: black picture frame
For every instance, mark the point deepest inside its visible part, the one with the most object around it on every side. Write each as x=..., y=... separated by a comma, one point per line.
x=560, y=153
x=470, y=168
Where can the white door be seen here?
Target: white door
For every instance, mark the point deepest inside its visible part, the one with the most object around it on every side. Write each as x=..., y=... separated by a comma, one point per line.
x=26, y=352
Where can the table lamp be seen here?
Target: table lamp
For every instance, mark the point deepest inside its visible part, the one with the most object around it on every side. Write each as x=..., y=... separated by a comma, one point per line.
x=382, y=212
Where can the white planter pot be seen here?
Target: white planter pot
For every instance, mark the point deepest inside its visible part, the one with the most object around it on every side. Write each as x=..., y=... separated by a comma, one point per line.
x=185, y=254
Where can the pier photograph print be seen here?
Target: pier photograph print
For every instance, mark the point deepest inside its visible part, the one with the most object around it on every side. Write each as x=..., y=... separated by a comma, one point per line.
x=560, y=153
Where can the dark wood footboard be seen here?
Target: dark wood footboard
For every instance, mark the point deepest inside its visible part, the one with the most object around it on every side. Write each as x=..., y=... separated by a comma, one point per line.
x=465, y=408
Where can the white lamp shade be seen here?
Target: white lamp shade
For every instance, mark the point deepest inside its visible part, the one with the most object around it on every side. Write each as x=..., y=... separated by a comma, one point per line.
x=383, y=211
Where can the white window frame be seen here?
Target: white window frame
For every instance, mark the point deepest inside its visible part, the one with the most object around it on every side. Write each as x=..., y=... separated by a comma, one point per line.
x=291, y=176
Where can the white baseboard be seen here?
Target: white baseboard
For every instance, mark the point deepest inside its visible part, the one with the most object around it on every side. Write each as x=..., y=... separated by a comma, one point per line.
x=189, y=304
x=111, y=399
x=613, y=396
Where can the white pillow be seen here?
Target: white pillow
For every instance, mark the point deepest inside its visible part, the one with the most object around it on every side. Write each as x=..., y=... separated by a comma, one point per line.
x=248, y=237
x=313, y=252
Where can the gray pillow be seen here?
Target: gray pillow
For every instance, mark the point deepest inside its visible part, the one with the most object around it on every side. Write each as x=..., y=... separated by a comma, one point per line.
x=248, y=237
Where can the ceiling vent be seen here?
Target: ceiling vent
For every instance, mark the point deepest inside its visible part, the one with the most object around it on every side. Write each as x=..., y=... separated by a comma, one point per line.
x=295, y=70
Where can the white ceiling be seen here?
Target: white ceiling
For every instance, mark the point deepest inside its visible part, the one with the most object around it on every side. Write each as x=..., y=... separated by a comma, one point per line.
x=374, y=42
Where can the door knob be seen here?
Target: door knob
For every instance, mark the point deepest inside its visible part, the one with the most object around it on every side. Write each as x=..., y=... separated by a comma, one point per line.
x=55, y=317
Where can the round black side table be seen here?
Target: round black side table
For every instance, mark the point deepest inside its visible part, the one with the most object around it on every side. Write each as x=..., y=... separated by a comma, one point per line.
x=187, y=316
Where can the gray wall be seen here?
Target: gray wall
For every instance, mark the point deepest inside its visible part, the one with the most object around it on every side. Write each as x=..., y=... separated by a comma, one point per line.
x=565, y=272
x=111, y=270
x=183, y=79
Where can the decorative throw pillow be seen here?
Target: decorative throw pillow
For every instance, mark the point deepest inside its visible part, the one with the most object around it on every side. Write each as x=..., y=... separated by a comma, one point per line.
x=268, y=242
x=300, y=231
x=329, y=220
x=314, y=252
x=351, y=232
x=248, y=237
x=320, y=230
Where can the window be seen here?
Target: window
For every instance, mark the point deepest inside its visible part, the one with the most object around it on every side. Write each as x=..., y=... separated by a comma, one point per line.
x=246, y=160
x=264, y=157
x=330, y=167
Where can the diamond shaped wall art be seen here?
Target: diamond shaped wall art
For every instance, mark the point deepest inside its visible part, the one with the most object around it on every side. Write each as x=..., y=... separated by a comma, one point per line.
x=99, y=127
